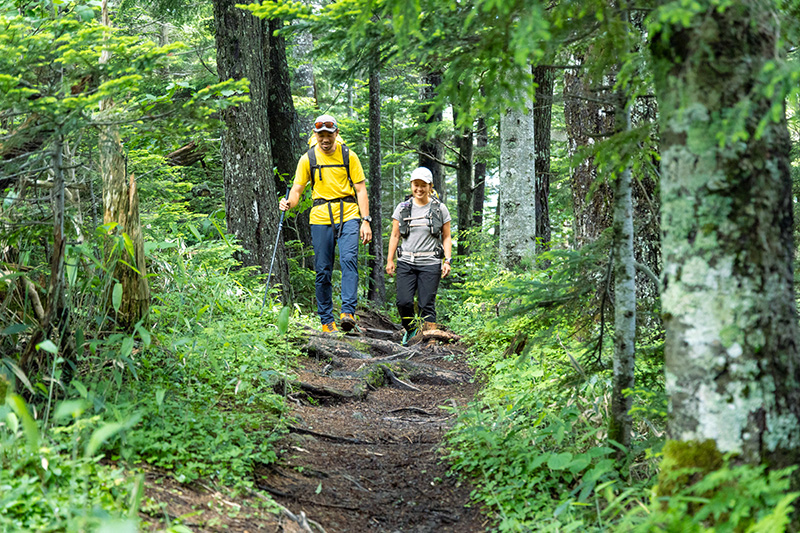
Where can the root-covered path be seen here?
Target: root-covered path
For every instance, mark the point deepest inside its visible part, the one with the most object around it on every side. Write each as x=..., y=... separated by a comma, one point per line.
x=364, y=454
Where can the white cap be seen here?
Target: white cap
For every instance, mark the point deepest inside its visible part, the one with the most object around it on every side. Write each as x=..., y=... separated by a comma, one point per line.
x=323, y=123
x=422, y=173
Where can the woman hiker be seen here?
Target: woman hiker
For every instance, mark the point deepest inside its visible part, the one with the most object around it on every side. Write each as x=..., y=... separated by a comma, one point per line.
x=421, y=238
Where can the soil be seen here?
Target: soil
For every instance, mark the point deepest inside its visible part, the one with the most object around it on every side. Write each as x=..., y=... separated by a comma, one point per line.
x=364, y=451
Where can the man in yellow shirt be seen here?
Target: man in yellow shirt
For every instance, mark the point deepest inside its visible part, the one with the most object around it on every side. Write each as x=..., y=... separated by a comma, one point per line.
x=340, y=213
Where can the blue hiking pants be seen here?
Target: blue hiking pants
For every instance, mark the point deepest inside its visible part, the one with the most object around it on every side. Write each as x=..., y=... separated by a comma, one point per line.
x=323, y=238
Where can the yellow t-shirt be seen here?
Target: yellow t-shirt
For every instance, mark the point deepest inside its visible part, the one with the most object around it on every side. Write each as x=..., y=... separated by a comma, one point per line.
x=333, y=184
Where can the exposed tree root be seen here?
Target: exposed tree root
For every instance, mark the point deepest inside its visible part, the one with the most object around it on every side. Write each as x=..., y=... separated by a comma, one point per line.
x=323, y=394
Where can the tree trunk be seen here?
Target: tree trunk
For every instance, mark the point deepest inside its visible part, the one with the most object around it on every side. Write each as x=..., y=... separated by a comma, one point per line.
x=517, y=183
x=250, y=195
x=303, y=82
x=586, y=119
x=431, y=151
x=542, y=112
x=376, y=292
x=121, y=207
x=620, y=424
x=732, y=368
x=284, y=130
x=479, y=192
x=464, y=144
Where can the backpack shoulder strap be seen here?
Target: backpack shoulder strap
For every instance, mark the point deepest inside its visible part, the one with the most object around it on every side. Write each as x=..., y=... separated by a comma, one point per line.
x=346, y=163
x=312, y=163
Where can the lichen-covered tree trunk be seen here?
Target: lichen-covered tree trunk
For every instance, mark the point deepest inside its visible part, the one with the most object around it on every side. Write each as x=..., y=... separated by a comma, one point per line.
x=587, y=119
x=479, y=192
x=431, y=150
x=620, y=424
x=284, y=130
x=464, y=145
x=250, y=196
x=376, y=291
x=121, y=207
x=542, y=114
x=517, y=184
x=732, y=368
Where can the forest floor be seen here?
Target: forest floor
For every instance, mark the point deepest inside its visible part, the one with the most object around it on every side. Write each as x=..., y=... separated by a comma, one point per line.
x=363, y=453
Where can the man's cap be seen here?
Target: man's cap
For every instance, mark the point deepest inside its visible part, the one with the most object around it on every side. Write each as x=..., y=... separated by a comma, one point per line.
x=422, y=173
x=325, y=123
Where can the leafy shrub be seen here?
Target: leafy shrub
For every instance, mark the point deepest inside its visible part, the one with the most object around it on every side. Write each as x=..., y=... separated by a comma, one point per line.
x=535, y=459
x=729, y=499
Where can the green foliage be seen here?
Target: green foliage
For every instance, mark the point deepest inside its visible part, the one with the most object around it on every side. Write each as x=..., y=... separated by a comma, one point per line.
x=743, y=498
x=535, y=450
x=53, y=487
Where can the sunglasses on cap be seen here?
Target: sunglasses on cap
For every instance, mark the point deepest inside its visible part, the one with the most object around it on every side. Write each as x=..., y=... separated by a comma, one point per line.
x=326, y=124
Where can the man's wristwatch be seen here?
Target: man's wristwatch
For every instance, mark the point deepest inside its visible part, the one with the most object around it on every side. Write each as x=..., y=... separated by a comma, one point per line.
x=367, y=219
x=447, y=260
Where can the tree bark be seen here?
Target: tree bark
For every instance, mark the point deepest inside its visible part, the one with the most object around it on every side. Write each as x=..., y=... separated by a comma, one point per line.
x=517, y=183
x=586, y=119
x=121, y=207
x=284, y=130
x=542, y=114
x=620, y=423
x=479, y=192
x=431, y=150
x=464, y=144
x=250, y=195
x=732, y=368
x=376, y=291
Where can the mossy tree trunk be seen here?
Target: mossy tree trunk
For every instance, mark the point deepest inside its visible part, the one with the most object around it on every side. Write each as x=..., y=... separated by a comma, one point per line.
x=732, y=368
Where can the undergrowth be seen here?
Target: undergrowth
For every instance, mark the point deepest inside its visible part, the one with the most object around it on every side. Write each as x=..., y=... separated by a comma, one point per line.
x=534, y=443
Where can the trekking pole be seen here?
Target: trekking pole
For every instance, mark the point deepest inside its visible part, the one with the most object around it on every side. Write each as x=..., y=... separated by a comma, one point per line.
x=274, y=249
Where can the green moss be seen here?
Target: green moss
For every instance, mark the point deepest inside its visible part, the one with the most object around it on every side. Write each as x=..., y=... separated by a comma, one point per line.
x=375, y=377
x=686, y=463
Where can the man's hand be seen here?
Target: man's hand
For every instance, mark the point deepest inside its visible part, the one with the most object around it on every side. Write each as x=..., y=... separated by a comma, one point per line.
x=283, y=205
x=366, y=232
x=390, y=267
x=445, y=269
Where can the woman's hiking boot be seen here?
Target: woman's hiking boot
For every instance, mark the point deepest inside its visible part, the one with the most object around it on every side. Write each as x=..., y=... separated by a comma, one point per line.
x=348, y=321
x=408, y=335
x=330, y=328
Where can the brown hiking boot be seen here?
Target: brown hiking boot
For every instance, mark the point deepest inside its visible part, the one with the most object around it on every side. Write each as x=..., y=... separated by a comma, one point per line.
x=348, y=321
x=330, y=328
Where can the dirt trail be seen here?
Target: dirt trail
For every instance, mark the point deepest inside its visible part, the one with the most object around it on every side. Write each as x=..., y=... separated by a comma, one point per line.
x=371, y=464
x=368, y=417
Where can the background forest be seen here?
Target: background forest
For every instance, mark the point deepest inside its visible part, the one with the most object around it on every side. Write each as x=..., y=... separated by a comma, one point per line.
x=622, y=178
